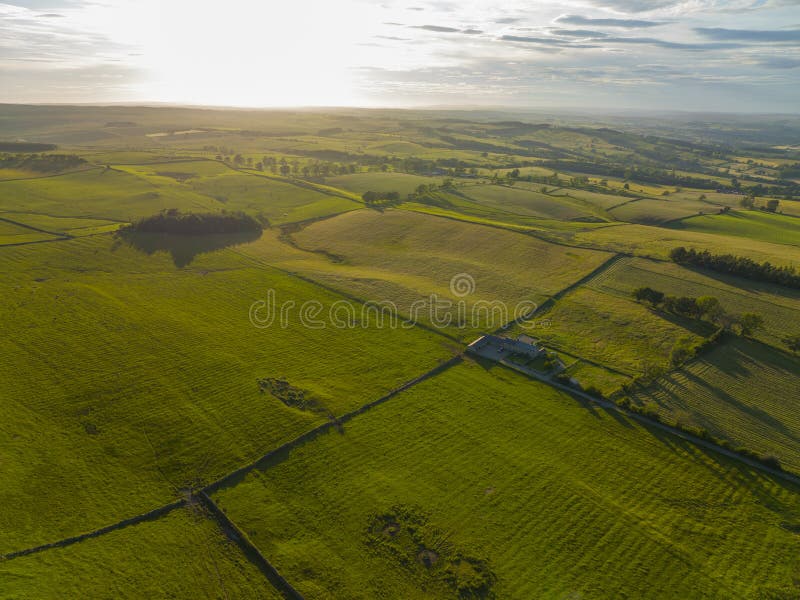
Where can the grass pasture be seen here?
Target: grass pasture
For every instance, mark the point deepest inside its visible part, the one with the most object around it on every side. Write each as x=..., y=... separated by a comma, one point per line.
x=612, y=331
x=101, y=194
x=402, y=183
x=779, y=306
x=11, y=233
x=528, y=202
x=751, y=224
x=404, y=256
x=526, y=484
x=125, y=378
x=657, y=242
x=181, y=555
x=652, y=211
x=73, y=226
x=715, y=392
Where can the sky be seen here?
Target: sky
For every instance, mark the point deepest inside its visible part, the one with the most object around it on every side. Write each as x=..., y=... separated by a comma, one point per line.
x=609, y=55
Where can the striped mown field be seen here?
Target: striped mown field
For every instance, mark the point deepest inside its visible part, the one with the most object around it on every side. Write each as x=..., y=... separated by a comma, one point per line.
x=542, y=495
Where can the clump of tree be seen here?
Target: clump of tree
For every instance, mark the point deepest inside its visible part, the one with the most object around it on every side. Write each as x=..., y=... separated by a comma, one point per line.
x=793, y=342
x=706, y=308
x=41, y=163
x=173, y=221
x=381, y=199
x=736, y=265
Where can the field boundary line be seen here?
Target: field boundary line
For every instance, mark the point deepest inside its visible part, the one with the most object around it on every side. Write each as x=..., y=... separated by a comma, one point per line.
x=550, y=302
x=92, y=168
x=234, y=477
x=38, y=230
x=248, y=548
x=231, y=477
x=152, y=515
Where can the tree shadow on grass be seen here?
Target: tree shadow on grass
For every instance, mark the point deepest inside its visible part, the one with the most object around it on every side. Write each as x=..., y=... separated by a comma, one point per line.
x=184, y=248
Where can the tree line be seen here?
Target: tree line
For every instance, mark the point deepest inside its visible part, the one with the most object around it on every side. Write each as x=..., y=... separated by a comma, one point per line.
x=173, y=221
x=41, y=163
x=736, y=265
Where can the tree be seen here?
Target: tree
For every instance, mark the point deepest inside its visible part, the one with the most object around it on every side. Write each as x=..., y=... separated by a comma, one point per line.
x=747, y=202
x=793, y=341
x=709, y=307
x=285, y=169
x=772, y=204
x=649, y=295
x=681, y=352
x=749, y=323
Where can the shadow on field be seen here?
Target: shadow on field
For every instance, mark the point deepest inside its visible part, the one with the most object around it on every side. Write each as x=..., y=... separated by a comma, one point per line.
x=184, y=248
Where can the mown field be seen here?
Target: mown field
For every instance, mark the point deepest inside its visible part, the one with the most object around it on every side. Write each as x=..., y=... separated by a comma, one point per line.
x=132, y=373
x=613, y=331
x=777, y=305
x=749, y=224
x=126, y=378
x=718, y=393
x=483, y=476
x=404, y=257
x=181, y=555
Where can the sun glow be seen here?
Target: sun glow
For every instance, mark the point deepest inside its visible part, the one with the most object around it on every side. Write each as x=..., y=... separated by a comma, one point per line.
x=243, y=53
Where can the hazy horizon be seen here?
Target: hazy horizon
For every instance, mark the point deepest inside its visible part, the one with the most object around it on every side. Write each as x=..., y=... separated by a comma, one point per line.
x=737, y=56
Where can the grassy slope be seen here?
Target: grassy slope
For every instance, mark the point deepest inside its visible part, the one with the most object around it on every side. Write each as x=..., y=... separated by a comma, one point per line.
x=540, y=486
x=657, y=242
x=779, y=306
x=717, y=392
x=381, y=182
x=651, y=211
x=11, y=233
x=124, y=377
x=181, y=555
x=404, y=256
x=99, y=193
x=526, y=202
x=750, y=224
x=612, y=331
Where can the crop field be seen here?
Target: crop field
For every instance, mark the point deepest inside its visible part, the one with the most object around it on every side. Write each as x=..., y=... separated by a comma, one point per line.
x=777, y=305
x=750, y=224
x=715, y=392
x=180, y=555
x=380, y=513
x=145, y=375
x=612, y=331
x=403, y=257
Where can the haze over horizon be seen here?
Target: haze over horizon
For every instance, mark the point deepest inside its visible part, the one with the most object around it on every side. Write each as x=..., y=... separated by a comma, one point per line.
x=696, y=55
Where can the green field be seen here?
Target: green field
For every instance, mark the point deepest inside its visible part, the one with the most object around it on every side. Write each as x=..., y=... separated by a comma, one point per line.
x=777, y=305
x=402, y=183
x=12, y=233
x=403, y=257
x=529, y=203
x=715, y=392
x=125, y=378
x=309, y=367
x=522, y=483
x=181, y=555
x=750, y=224
x=612, y=331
